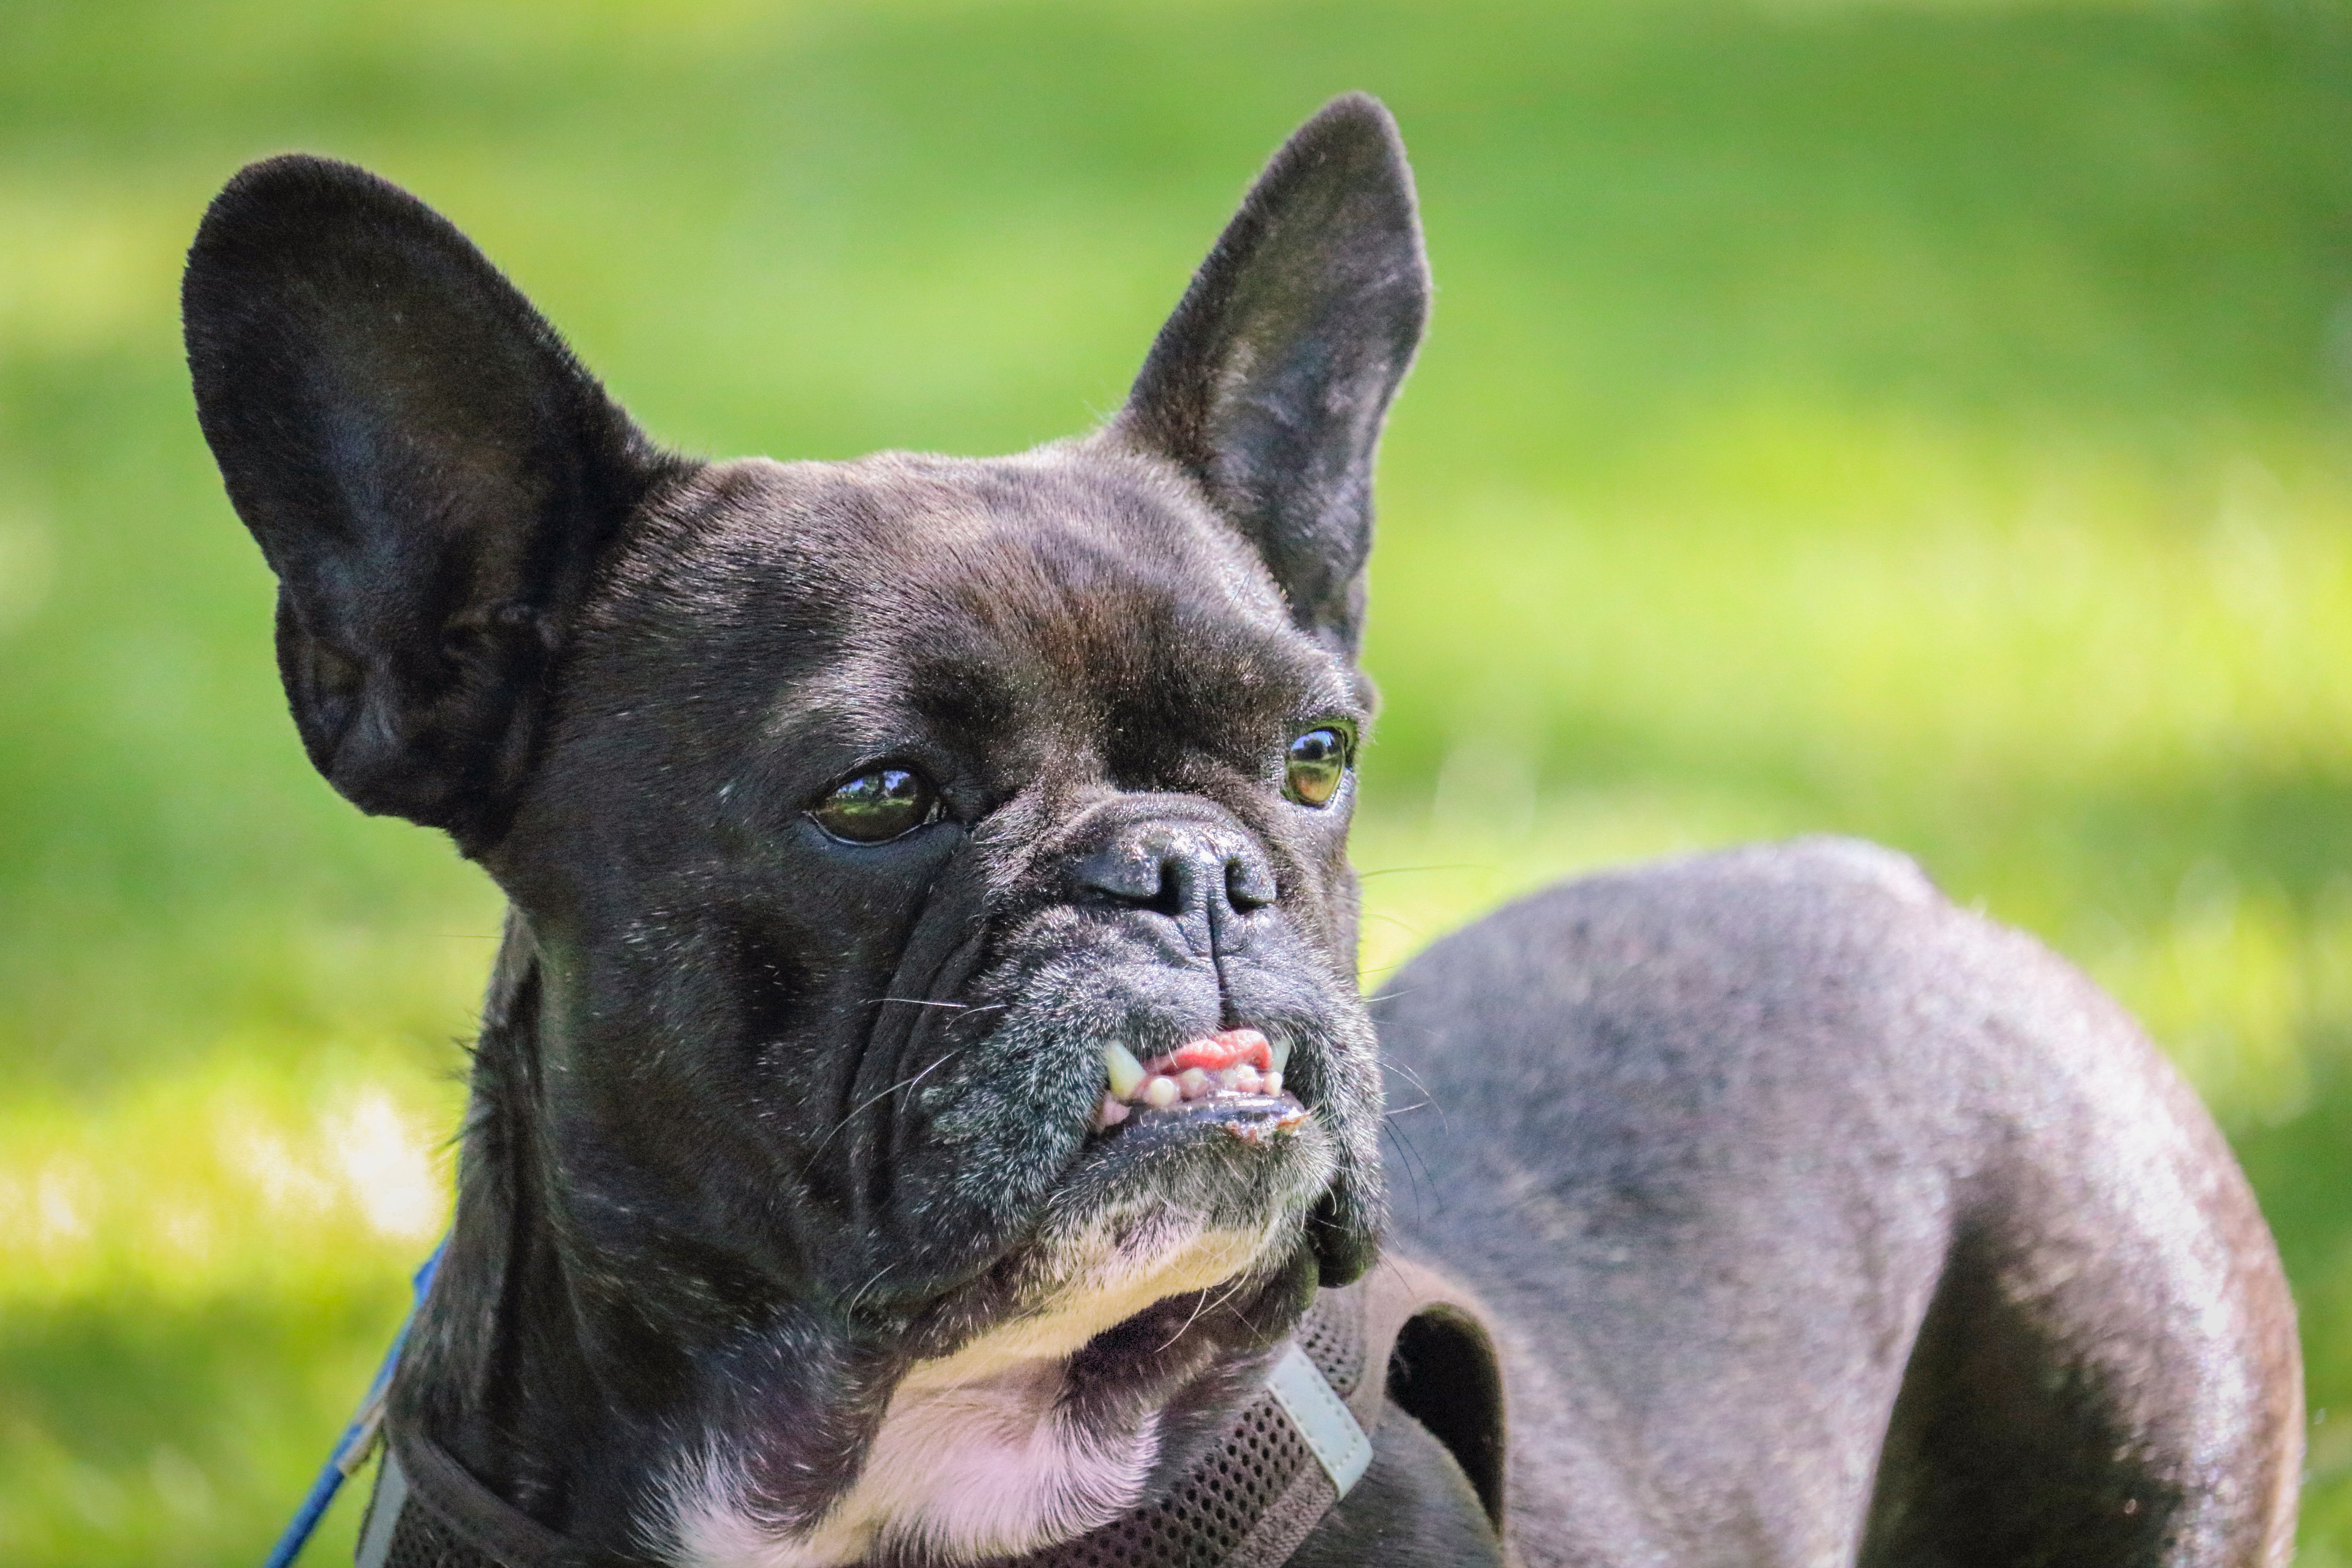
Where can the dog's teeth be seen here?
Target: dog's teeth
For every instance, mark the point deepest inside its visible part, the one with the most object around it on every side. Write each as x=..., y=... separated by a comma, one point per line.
x=1110, y=1113
x=1271, y=1083
x=1192, y=1083
x=1230, y=1078
x=1126, y=1074
x=1279, y=1050
x=1159, y=1092
x=1245, y=1079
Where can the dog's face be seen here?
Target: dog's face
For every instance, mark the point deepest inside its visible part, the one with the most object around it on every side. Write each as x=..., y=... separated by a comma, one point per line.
x=892, y=808
x=929, y=874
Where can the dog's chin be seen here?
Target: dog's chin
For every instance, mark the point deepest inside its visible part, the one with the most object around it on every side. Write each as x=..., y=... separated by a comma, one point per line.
x=1187, y=1200
x=1246, y=1165
x=1176, y=1207
x=1090, y=1281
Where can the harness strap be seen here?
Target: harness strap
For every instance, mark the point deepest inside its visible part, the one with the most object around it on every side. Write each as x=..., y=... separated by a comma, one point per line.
x=1341, y=1447
x=430, y=1512
x=385, y=1504
x=359, y=1438
x=1248, y=1502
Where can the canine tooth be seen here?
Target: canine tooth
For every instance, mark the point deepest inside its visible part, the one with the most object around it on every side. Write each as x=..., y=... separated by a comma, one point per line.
x=1126, y=1074
x=1271, y=1083
x=1193, y=1082
x=1247, y=1078
x=1280, y=1051
x=1159, y=1092
x=1110, y=1113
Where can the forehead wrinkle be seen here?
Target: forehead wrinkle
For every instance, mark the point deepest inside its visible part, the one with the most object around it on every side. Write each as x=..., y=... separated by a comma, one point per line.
x=1083, y=638
x=1062, y=604
x=1163, y=569
x=852, y=702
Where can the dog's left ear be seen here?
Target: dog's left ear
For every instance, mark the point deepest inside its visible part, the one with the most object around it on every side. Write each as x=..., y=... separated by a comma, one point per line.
x=428, y=469
x=1270, y=381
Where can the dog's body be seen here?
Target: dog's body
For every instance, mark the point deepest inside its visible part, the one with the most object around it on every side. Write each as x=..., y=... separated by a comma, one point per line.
x=924, y=1082
x=1823, y=1222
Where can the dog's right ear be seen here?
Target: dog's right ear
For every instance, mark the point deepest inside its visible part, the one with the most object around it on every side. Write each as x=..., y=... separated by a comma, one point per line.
x=429, y=472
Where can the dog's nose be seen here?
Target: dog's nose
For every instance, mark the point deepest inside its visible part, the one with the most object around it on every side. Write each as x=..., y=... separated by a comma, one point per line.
x=1192, y=872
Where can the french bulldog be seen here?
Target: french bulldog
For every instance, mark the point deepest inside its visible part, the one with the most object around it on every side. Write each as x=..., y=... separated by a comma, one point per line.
x=923, y=1087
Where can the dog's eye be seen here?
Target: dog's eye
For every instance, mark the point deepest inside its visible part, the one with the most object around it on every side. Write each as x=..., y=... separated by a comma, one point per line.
x=1314, y=767
x=877, y=806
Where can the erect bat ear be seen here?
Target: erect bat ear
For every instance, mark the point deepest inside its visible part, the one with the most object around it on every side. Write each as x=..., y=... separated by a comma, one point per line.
x=425, y=466
x=1270, y=381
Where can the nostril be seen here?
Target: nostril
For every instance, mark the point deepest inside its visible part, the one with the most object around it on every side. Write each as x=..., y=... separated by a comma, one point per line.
x=1175, y=889
x=1249, y=885
x=1129, y=872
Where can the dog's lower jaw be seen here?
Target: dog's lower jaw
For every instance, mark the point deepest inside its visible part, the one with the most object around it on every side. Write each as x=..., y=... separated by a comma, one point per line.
x=981, y=1454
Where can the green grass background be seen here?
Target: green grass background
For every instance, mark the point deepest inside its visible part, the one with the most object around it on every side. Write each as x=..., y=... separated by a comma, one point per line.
x=1921, y=420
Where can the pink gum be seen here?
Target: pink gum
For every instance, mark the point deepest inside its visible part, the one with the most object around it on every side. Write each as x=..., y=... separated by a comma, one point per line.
x=1216, y=1053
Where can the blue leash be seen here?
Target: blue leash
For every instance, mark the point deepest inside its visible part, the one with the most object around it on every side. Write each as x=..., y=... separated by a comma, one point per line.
x=358, y=1440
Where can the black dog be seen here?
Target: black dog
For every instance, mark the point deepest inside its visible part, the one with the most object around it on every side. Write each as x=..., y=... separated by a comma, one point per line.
x=924, y=1086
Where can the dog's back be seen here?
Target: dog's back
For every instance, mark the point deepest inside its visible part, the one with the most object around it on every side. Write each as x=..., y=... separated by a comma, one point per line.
x=1762, y=1158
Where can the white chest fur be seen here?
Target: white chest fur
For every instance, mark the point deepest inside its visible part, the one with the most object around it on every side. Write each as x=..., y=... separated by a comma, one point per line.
x=978, y=1454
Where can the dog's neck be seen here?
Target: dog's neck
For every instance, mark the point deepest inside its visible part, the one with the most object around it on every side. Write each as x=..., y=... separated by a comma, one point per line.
x=768, y=1432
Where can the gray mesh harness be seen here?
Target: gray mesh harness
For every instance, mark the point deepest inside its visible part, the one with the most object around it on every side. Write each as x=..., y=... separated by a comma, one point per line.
x=1282, y=1462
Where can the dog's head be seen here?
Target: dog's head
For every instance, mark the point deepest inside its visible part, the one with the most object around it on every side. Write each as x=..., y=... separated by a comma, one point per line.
x=870, y=827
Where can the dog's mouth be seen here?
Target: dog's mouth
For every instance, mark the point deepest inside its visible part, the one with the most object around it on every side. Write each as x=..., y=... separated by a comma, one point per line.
x=1231, y=1081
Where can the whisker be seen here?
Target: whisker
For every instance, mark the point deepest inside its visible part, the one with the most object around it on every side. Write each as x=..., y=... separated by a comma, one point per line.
x=1414, y=1079
x=1416, y=1168
x=1403, y=870
x=860, y=1109
x=1410, y=1076
x=1401, y=924
x=860, y=1293
x=1203, y=1306
x=1200, y=1305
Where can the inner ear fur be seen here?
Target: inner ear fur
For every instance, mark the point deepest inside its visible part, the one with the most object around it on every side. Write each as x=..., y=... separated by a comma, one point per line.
x=426, y=468
x=1269, y=383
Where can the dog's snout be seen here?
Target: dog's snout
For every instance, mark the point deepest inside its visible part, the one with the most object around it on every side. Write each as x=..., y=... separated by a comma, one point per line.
x=1190, y=871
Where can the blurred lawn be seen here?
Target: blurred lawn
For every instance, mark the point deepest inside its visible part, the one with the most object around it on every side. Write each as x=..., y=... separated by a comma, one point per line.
x=1926, y=421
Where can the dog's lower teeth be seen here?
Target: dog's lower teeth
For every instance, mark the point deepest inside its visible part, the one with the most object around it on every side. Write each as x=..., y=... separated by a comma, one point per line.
x=1161, y=1093
x=1193, y=1082
x=1271, y=1083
